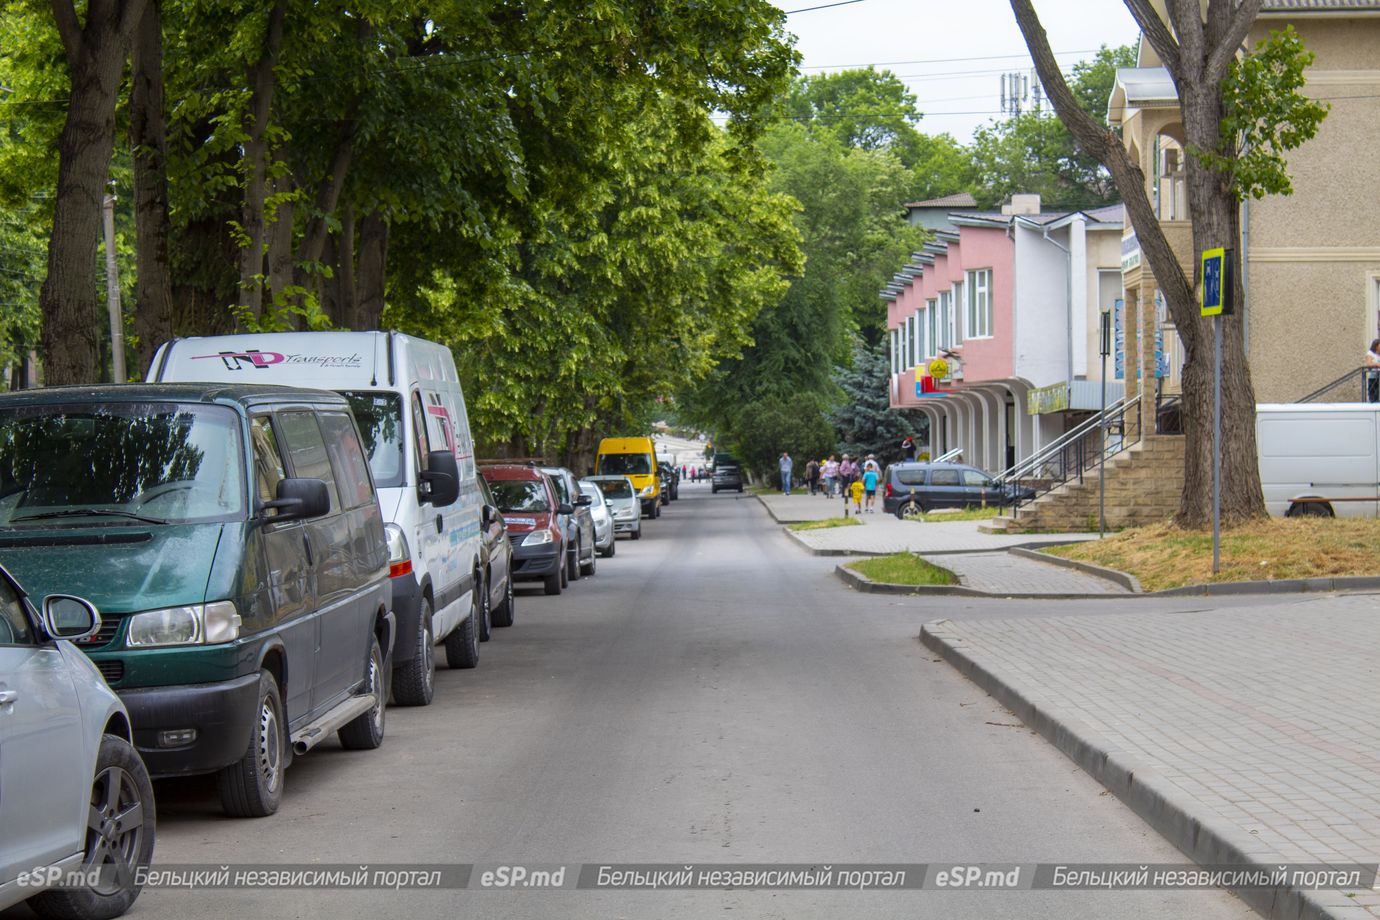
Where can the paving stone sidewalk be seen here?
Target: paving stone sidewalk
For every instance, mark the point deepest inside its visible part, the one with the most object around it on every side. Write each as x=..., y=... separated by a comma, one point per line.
x=884, y=533
x=1003, y=573
x=1252, y=731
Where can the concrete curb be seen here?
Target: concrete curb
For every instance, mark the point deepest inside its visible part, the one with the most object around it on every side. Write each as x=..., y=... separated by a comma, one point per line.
x=1202, y=836
x=868, y=586
x=1129, y=582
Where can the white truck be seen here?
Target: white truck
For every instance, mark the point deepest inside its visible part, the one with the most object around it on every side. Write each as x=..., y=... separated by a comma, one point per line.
x=406, y=398
x=1319, y=458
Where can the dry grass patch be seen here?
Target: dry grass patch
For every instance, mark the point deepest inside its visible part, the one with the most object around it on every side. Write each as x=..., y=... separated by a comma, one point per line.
x=1163, y=556
x=824, y=524
x=903, y=569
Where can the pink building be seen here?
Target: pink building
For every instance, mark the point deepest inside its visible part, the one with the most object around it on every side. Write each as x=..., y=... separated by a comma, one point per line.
x=1009, y=302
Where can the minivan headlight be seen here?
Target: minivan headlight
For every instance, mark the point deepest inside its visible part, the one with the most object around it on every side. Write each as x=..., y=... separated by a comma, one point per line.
x=194, y=624
x=537, y=538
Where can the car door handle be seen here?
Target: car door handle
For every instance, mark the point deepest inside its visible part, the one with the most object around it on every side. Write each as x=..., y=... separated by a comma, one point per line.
x=7, y=697
x=440, y=523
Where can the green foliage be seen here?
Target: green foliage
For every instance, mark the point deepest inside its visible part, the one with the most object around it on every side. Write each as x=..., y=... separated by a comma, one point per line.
x=864, y=421
x=1034, y=152
x=1266, y=116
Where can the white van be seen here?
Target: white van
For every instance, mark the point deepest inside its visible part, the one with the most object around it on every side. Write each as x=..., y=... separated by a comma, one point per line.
x=407, y=401
x=1319, y=458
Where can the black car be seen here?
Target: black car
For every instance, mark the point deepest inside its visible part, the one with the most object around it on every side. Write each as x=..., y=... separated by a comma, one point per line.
x=914, y=488
x=579, y=525
x=727, y=475
x=670, y=482
x=498, y=564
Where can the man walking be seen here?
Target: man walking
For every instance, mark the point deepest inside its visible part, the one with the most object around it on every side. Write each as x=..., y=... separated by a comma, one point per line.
x=812, y=475
x=786, y=473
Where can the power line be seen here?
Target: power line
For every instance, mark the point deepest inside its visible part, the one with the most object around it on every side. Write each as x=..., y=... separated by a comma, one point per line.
x=955, y=60
x=810, y=9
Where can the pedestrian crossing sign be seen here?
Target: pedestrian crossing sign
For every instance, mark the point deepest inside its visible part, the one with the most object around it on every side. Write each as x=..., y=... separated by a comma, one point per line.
x=1215, y=288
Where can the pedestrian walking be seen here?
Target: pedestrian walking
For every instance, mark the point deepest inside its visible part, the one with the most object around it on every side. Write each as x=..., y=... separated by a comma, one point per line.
x=812, y=475
x=871, y=464
x=785, y=464
x=848, y=472
x=831, y=475
x=869, y=483
x=908, y=449
x=855, y=488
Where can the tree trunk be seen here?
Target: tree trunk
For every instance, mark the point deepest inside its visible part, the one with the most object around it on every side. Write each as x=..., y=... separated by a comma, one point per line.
x=373, y=262
x=327, y=198
x=153, y=306
x=252, y=220
x=279, y=241
x=72, y=317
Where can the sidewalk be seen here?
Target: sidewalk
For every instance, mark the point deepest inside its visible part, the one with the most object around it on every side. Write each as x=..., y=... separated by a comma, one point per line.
x=979, y=559
x=1239, y=734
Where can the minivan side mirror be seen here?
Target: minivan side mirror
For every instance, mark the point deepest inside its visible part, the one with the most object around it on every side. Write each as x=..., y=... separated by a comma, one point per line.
x=442, y=478
x=565, y=508
x=584, y=500
x=299, y=499
x=67, y=617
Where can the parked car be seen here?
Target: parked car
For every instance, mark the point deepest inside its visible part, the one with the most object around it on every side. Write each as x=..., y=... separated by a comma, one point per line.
x=727, y=475
x=621, y=495
x=75, y=796
x=581, y=558
x=233, y=538
x=912, y=489
x=636, y=459
x=498, y=563
x=527, y=498
x=670, y=480
x=605, y=540
x=406, y=398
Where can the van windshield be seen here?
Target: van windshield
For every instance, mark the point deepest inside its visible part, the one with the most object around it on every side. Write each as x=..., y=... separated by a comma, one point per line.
x=624, y=465
x=158, y=463
x=379, y=416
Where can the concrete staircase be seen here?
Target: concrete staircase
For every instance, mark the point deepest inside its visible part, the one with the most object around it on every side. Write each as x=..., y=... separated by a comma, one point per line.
x=1143, y=487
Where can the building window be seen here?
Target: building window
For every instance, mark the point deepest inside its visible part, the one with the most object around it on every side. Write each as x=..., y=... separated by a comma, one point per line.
x=932, y=340
x=957, y=301
x=946, y=320
x=891, y=343
x=920, y=334
x=979, y=304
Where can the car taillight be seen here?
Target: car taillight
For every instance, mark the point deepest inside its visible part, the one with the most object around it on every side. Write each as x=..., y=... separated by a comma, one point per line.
x=400, y=568
x=887, y=494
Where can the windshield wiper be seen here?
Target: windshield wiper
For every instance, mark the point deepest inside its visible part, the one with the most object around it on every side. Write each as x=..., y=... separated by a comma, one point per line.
x=89, y=512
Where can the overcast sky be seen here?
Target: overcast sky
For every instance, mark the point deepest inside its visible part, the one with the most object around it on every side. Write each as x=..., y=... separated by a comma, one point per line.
x=922, y=37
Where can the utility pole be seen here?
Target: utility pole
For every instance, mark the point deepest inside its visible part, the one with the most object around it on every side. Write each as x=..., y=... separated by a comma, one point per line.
x=112, y=294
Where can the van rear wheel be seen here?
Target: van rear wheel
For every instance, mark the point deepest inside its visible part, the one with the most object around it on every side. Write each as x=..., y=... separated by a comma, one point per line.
x=505, y=612
x=365, y=731
x=252, y=787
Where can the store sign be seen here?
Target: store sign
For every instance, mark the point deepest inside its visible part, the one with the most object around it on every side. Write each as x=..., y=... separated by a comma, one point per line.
x=1130, y=252
x=1053, y=398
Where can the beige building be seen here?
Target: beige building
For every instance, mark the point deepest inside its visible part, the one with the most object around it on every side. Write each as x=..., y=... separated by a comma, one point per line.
x=1312, y=272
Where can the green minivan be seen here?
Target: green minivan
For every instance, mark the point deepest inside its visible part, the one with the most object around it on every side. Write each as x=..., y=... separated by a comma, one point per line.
x=231, y=538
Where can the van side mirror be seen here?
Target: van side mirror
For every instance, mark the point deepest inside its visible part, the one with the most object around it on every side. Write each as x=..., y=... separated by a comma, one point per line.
x=487, y=515
x=68, y=617
x=441, y=478
x=299, y=499
x=565, y=508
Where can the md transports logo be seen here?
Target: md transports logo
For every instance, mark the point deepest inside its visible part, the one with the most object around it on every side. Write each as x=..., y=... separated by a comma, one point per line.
x=262, y=360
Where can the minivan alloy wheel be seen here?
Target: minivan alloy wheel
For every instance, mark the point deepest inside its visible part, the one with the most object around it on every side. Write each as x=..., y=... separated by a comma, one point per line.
x=114, y=829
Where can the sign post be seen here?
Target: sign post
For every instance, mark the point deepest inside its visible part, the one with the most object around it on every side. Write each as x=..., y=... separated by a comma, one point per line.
x=1215, y=299
x=1105, y=347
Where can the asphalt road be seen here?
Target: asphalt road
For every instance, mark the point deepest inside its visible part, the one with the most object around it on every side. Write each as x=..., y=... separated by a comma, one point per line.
x=713, y=695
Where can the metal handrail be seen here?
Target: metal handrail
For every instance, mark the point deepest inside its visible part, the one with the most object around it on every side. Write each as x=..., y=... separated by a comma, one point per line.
x=949, y=456
x=1054, y=448
x=1359, y=374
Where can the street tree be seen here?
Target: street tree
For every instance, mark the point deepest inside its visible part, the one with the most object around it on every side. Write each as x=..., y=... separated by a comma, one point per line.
x=1223, y=101
x=865, y=423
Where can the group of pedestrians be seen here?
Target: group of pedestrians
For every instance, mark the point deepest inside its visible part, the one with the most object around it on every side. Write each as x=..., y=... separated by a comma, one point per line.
x=854, y=479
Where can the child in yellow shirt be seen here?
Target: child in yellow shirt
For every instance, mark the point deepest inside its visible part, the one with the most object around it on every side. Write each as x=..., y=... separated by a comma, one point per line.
x=856, y=490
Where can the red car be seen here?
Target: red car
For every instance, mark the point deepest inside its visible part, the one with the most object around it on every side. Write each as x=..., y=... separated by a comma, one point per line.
x=530, y=506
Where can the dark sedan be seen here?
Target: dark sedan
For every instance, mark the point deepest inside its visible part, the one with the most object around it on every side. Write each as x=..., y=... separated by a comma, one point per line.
x=914, y=488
